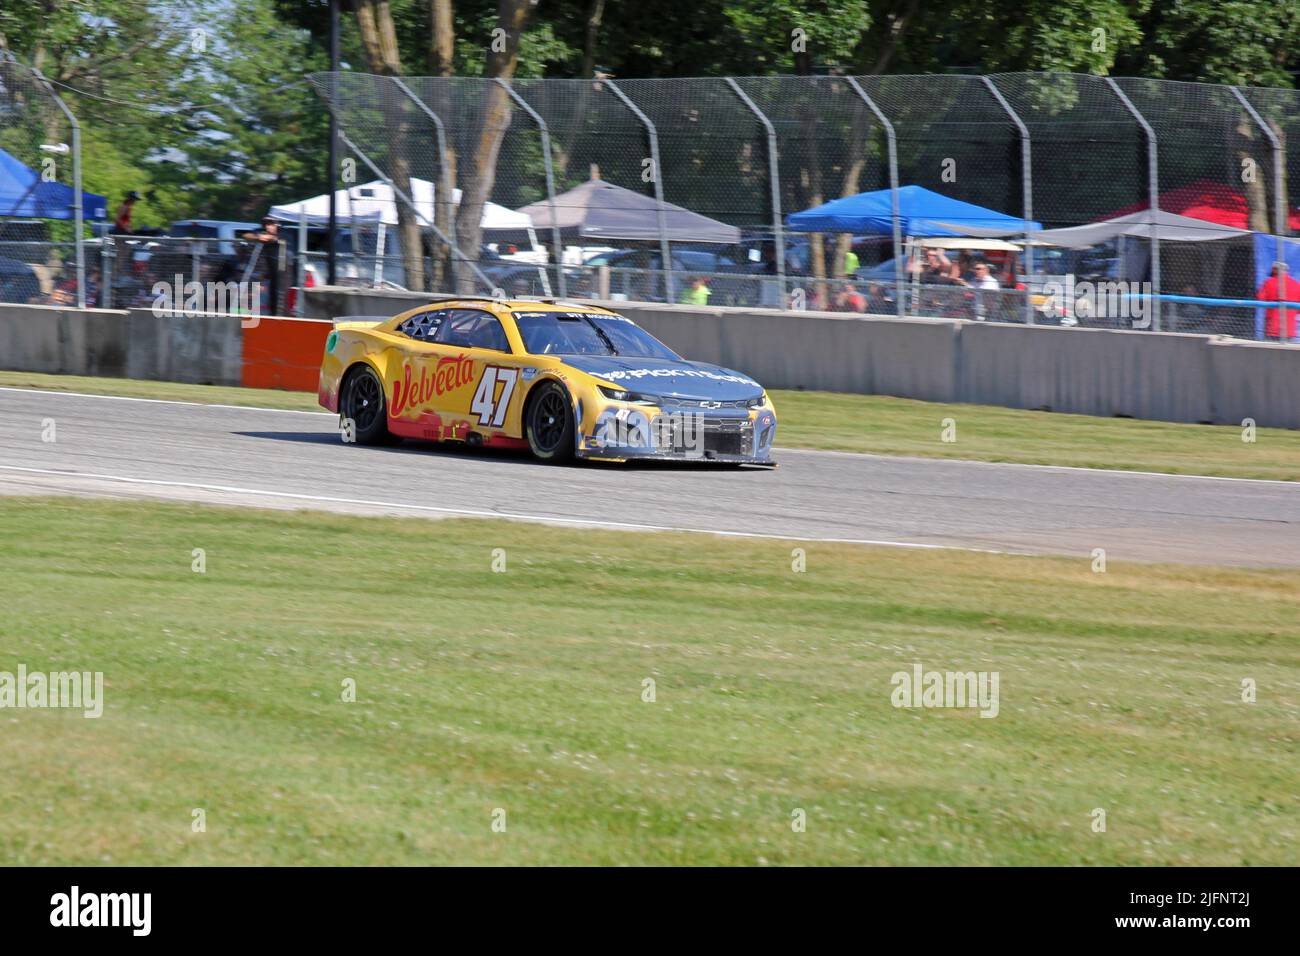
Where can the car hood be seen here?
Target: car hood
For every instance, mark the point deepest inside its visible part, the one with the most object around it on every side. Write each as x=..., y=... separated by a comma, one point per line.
x=697, y=381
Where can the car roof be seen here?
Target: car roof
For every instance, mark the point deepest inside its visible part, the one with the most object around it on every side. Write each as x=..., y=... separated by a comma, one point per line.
x=497, y=305
x=530, y=305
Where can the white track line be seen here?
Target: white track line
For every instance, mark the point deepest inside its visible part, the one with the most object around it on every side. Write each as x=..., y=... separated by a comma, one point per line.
x=162, y=401
x=478, y=513
x=784, y=449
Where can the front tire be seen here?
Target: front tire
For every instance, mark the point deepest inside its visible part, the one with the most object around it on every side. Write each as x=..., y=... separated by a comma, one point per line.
x=549, y=424
x=363, y=403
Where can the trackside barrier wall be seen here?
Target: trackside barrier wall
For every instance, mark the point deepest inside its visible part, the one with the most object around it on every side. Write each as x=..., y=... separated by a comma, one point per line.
x=36, y=338
x=1156, y=375
x=1161, y=376
x=201, y=349
x=836, y=353
x=208, y=350
x=1246, y=377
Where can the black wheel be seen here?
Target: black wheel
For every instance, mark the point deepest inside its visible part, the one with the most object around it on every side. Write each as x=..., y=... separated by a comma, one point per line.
x=363, y=403
x=549, y=423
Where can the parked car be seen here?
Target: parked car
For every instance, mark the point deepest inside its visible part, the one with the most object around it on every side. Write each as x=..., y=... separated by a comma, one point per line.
x=637, y=274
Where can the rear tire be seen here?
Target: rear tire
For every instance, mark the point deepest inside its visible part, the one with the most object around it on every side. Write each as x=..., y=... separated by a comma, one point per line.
x=549, y=425
x=363, y=402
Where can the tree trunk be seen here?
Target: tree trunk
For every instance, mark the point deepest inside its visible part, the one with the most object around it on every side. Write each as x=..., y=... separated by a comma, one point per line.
x=480, y=172
x=1255, y=187
x=594, y=15
x=379, y=39
x=442, y=43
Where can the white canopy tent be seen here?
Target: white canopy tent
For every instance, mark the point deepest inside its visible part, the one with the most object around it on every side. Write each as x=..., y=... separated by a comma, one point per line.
x=374, y=205
x=375, y=202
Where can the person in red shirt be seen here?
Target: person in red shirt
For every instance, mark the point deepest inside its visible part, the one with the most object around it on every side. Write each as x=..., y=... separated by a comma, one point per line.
x=122, y=221
x=1279, y=288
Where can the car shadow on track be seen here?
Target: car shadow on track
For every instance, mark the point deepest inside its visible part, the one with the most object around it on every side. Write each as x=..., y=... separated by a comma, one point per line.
x=515, y=455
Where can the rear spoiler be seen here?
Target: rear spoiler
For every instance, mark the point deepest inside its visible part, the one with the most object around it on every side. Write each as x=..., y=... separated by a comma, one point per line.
x=359, y=321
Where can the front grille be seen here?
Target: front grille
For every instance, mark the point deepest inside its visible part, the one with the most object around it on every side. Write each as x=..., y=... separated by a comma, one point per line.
x=669, y=402
x=726, y=443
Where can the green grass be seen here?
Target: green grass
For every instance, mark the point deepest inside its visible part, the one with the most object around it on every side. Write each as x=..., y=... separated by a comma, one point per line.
x=522, y=691
x=896, y=426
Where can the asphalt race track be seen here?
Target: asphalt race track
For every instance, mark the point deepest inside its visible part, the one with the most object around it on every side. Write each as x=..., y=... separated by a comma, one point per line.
x=126, y=448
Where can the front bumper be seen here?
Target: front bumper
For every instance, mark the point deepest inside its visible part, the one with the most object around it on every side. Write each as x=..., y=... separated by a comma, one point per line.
x=680, y=434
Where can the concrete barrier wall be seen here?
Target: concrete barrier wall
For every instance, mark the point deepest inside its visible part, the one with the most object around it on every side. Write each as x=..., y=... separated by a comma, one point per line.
x=37, y=338
x=837, y=353
x=1162, y=376
x=1153, y=375
x=1255, y=380
x=200, y=349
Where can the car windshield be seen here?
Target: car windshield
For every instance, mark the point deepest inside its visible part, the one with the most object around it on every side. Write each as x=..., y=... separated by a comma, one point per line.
x=586, y=333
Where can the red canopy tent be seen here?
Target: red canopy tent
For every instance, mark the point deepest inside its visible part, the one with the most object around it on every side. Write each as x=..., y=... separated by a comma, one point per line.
x=1211, y=201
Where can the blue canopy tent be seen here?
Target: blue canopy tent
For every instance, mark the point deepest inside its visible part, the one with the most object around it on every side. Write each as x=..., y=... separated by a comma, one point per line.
x=921, y=213
x=23, y=194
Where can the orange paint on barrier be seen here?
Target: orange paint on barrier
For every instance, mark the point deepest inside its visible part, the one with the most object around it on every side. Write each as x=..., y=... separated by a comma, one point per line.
x=284, y=353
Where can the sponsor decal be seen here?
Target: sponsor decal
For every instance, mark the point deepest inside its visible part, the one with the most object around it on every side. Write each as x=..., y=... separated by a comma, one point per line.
x=450, y=374
x=636, y=373
x=529, y=374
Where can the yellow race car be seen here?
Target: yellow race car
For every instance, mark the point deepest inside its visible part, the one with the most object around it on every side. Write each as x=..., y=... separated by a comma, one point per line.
x=559, y=378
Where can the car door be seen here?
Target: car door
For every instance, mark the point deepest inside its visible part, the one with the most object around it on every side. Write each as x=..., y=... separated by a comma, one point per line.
x=462, y=377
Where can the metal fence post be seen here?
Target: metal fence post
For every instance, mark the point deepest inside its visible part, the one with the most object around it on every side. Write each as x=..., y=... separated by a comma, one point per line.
x=300, y=301
x=1153, y=173
x=107, y=257
x=774, y=174
x=77, y=212
x=456, y=253
x=1027, y=185
x=665, y=251
x=545, y=133
x=892, y=143
x=440, y=133
x=1279, y=203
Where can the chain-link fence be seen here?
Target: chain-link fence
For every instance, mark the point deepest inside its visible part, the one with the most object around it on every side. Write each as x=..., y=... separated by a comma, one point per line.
x=1013, y=197
x=702, y=183
x=42, y=207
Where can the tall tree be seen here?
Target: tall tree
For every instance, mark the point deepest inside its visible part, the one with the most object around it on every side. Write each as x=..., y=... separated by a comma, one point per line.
x=379, y=40
x=478, y=176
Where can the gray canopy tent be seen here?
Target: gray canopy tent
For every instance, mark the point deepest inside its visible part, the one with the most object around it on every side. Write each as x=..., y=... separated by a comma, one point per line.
x=1144, y=224
x=601, y=210
x=1209, y=268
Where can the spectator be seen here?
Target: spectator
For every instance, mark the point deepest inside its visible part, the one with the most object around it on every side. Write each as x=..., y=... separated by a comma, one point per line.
x=848, y=298
x=963, y=268
x=65, y=290
x=268, y=263
x=936, y=269
x=1279, y=287
x=851, y=262
x=982, y=277
x=697, y=293
x=878, y=301
x=122, y=221
x=983, y=282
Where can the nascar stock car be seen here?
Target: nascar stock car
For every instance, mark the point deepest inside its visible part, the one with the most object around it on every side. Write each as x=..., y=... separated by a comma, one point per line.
x=559, y=378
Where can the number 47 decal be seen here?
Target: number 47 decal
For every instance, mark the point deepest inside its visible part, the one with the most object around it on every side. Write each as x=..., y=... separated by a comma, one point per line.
x=492, y=410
